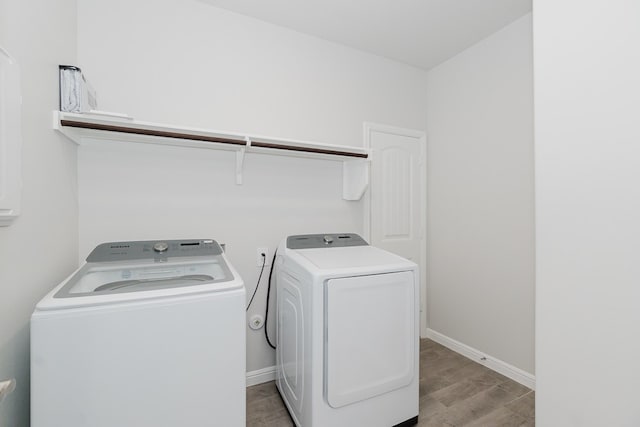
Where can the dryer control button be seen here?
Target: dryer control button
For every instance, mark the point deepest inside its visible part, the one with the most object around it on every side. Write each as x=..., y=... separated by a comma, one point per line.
x=327, y=240
x=160, y=247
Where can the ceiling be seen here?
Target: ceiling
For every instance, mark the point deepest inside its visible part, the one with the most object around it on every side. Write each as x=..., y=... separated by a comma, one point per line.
x=422, y=33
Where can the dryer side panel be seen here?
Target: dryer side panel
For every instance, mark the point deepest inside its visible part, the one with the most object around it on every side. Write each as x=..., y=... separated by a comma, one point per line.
x=371, y=336
x=290, y=346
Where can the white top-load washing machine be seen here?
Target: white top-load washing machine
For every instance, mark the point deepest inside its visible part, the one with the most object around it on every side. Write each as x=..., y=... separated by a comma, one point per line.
x=347, y=341
x=143, y=334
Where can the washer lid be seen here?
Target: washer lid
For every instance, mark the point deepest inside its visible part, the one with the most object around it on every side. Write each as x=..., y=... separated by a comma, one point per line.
x=96, y=279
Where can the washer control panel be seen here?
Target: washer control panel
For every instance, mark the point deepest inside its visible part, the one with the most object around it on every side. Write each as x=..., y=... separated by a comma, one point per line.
x=158, y=250
x=310, y=241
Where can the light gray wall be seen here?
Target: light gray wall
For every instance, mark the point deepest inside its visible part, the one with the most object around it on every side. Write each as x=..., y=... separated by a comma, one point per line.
x=40, y=248
x=196, y=65
x=480, y=197
x=193, y=64
x=587, y=109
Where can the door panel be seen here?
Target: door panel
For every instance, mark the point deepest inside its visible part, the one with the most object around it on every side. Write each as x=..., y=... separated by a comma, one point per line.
x=396, y=201
x=396, y=194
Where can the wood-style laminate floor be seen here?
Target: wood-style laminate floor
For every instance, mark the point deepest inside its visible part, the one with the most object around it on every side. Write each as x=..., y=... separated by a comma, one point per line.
x=454, y=392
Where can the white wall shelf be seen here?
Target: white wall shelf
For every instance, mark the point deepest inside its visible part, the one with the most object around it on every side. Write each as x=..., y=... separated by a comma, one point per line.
x=82, y=127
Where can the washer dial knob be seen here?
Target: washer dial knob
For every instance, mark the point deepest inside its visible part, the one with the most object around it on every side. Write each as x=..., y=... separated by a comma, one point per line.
x=160, y=247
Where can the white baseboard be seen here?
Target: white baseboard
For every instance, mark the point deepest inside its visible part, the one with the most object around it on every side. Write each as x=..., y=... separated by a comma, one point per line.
x=501, y=367
x=260, y=376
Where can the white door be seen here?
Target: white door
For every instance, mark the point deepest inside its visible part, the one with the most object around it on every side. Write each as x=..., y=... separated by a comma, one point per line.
x=396, y=216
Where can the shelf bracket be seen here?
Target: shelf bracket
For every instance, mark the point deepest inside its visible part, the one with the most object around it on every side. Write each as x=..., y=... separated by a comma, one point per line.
x=355, y=178
x=240, y=160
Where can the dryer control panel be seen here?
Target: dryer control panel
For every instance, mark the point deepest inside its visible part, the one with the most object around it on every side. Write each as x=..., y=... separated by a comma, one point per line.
x=154, y=250
x=310, y=241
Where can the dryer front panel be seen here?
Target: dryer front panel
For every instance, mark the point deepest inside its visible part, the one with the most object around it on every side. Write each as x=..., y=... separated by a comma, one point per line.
x=370, y=336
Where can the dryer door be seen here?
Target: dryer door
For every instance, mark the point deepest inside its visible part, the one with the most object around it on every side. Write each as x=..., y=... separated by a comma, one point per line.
x=370, y=333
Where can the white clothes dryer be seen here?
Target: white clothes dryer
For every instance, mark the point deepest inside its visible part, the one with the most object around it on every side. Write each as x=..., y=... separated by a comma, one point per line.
x=347, y=340
x=148, y=333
